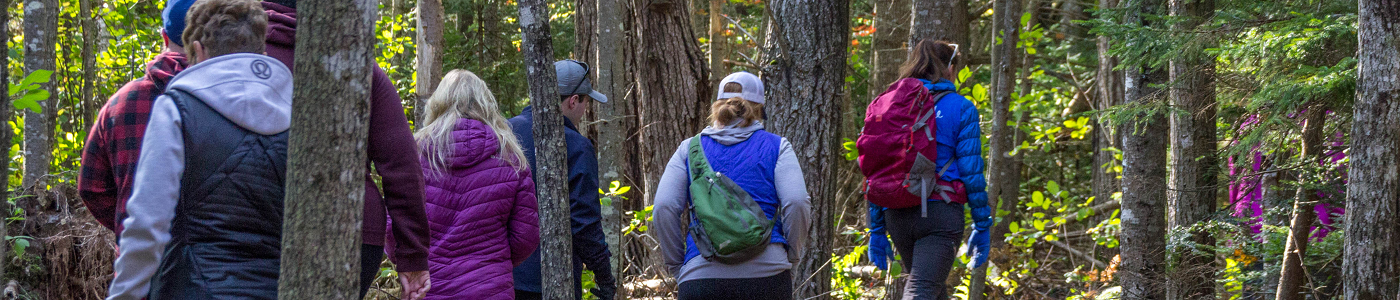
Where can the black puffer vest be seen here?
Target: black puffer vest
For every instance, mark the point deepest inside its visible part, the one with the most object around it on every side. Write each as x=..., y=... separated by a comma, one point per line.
x=226, y=238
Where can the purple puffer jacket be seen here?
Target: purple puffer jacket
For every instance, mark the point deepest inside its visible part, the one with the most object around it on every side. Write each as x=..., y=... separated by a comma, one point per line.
x=482, y=218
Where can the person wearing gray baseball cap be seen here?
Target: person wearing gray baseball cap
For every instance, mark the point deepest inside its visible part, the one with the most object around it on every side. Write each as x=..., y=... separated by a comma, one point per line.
x=590, y=248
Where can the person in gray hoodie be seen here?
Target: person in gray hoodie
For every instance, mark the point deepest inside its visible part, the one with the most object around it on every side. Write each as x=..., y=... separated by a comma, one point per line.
x=205, y=215
x=765, y=166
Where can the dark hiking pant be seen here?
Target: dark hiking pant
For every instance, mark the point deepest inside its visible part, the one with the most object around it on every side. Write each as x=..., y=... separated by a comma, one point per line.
x=776, y=287
x=927, y=246
x=370, y=258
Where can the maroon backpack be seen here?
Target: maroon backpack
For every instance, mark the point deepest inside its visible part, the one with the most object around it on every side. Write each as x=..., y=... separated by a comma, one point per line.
x=899, y=147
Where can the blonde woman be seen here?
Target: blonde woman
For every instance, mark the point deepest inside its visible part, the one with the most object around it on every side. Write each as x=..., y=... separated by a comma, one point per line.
x=480, y=198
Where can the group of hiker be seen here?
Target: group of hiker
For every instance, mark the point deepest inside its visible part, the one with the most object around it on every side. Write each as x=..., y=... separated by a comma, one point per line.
x=187, y=166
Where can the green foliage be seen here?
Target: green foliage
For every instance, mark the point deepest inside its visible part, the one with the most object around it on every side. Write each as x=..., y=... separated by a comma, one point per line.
x=29, y=91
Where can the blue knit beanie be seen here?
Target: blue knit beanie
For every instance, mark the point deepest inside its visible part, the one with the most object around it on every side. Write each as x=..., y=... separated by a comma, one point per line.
x=174, y=18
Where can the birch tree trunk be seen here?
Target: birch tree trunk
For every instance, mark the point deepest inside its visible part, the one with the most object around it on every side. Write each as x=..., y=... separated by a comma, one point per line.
x=1372, y=257
x=1195, y=166
x=1293, y=275
x=40, y=29
x=892, y=22
x=326, y=151
x=1142, y=238
x=940, y=20
x=617, y=123
x=1110, y=93
x=551, y=177
x=430, y=49
x=806, y=51
x=673, y=84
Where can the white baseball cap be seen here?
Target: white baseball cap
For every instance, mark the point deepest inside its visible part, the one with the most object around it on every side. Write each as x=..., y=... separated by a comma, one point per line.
x=752, y=87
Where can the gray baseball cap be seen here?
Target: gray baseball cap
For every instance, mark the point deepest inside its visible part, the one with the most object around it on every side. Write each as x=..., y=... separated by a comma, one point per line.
x=573, y=80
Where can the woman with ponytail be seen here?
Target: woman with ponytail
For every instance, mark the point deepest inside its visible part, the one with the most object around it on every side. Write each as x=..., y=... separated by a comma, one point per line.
x=927, y=236
x=481, y=201
x=766, y=168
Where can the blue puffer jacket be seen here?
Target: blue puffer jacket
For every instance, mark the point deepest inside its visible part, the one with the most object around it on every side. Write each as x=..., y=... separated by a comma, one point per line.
x=959, y=141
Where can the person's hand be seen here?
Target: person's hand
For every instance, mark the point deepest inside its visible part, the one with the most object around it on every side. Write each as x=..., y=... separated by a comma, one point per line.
x=415, y=285
x=978, y=245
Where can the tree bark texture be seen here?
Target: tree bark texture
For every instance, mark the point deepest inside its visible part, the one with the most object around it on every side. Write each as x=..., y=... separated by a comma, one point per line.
x=1142, y=239
x=40, y=35
x=326, y=151
x=551, y=176
x=431, y=25
x=90, y=36
x=718, y=42
x=891, y=37
x=673, y=84
x=618, y=145
x=1005, y=59
x=585, y=30
x=1293, y=275
x=1372, y=260
x=806, y=51
x=1195, y=168
x=941, y=20
x=1110, y=93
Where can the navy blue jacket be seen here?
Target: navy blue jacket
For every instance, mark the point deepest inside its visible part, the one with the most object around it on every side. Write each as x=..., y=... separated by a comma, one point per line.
x=590, y=246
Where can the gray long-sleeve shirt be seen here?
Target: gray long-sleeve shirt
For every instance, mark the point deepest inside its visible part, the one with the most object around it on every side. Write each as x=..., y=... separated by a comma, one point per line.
x=671, y=219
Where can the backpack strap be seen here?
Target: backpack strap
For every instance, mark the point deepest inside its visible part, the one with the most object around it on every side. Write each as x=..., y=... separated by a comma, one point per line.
x=933, y=109
x=698, y=164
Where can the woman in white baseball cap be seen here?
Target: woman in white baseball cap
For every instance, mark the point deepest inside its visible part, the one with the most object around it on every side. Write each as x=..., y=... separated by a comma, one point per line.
x=765, y=167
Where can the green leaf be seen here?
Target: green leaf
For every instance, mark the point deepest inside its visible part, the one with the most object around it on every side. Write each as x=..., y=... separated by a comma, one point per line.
x=622, y=190
x=1085, y=213
x=614, y=185
x=31, y=101
x=1053, y=187
x=605, y=201
x=1037, y=198
x=1039, y=224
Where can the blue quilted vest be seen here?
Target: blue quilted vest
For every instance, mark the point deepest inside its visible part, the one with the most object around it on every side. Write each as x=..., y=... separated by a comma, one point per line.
x=751, y=164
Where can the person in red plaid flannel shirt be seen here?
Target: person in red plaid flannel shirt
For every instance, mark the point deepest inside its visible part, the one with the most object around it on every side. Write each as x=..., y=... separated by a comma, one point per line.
x=113, y=144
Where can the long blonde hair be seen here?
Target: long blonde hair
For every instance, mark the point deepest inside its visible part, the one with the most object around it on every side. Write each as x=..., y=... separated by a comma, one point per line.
x=462, y=94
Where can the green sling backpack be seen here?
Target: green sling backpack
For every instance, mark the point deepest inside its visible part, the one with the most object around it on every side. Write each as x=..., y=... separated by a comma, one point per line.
x=727, y=224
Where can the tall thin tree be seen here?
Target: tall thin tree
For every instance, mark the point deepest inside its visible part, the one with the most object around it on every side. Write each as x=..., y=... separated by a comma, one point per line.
x=674, y=92
x=551, y=178
x=1110, y=93
x=429, y=51
x=1142, y=239
x=1001, y=166
x=618, y=144
x=40, y=37
x=585, y=30
x=6, y=114
x=326, y=150
x=1194, y=168
x=718, y=42
x=1372, y=244
x=806, y=51
x=89, y=103
x=1292, y=276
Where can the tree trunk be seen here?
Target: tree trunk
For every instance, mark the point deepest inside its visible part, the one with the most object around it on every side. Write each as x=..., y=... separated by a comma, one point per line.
x=941, y=20
x=6, y=114
x=892, y=22
x=1191, y=200
x=40, y=26
x=585, y=30
x=90, y=36
x=1110, y=90
x=1142, y=238
x=1373, y=194
x=551, y=178
x=673, y=84
x=1293, y=275
x=326, y=151
x=718, y=42
x=806, y=51
x=1003, y=173
x=617, y=121
x=430, y=50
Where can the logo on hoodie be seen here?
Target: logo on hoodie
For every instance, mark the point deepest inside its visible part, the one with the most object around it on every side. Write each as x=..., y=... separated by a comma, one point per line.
x=261, y=69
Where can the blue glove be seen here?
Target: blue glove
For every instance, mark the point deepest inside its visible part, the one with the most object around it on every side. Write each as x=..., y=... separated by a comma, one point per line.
x=879, y=250
x=978, y=245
